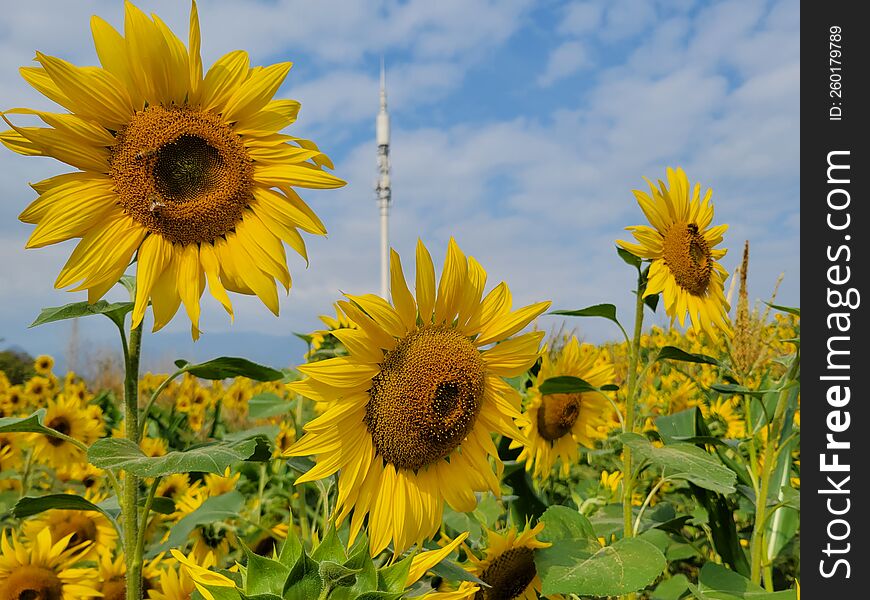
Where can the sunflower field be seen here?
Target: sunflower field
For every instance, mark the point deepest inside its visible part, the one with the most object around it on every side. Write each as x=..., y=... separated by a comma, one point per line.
x=434, y=444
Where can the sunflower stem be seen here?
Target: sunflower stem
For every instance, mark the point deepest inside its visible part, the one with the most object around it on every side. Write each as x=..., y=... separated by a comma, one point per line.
x=130, y=499
x=633, y=360
x=768, y=465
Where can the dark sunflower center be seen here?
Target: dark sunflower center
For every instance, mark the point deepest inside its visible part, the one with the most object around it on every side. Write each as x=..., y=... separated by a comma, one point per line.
x=62, y=425
x=83, y=529
x=31, y=582
x=182, y=173
x=426, y=397
x=114, y=589
x=688, y=257
x=557, y=415
x=187, y=169
x=509, y=574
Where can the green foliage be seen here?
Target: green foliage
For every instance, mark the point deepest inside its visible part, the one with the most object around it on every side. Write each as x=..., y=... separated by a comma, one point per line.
x=17, y=364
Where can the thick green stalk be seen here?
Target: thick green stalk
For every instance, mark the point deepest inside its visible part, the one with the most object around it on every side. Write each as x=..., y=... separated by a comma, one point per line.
x=756, y=546
x=130, y=499
x=630, y=398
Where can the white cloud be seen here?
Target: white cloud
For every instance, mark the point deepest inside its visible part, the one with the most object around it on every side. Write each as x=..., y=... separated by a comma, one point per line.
x=565, y=60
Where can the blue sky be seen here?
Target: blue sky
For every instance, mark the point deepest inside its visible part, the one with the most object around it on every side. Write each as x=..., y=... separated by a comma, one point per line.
x=519, y=127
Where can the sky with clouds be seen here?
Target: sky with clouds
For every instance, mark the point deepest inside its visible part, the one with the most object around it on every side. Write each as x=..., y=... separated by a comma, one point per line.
x=519, y=127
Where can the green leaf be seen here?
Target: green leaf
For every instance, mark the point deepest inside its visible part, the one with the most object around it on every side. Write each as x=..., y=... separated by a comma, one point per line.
x=304, y=582
x=629, y=258
x=161, y=505
x=677, y=425
x=226, y=367
x=265, y=576
x=674, y=353
x=28, y=424
x=728, y=389
x=115, y=311
x=335, y=575
x=671, y=589
x=267, y=404
x=652, y=301
x=225, y=507
x=567, y=384
x=786, y=309
x=366, y=575
x=562, y=523
x=120, y=453
x=220, y=593
x=330, y=547
x=32, y=505
x=684, y=461
x=393, y=577
x=606, y=311
x=583, y=567
x=716, y=582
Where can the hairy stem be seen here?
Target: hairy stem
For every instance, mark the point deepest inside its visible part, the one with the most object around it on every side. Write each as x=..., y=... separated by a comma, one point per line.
x=130, y=499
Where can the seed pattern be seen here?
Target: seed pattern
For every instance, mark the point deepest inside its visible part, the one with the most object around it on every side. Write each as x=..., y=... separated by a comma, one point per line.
x=557, y=415
x=687, y=255
x=426, y=397
x=33, y=583
x=509, y=574
x=182, y=173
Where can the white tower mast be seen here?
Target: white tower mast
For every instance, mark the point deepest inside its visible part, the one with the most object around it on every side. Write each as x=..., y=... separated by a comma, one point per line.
x=382, y=125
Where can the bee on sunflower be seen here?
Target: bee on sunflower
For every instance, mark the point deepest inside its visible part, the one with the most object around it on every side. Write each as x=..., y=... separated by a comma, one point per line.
x=681, y=245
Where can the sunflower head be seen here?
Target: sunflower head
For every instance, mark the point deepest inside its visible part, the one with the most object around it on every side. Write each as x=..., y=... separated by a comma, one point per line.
x=558, y=423
x=186, y=173
x=681, y=245
x=43, y=364
x=417, y=398
x=509, y=564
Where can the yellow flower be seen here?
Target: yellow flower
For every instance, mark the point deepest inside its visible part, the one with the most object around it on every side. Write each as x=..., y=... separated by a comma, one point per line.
x=610, y=481
x=198, y=571
x=217, y=485
x=173, y=584
x=187, y=172
x=508, y=567
x=65, y=416
x=76, y=527
x=43, y=364
x=682, y=247
x=43, y=569
x=416, y=400
x=557, y=423
x=153, y=446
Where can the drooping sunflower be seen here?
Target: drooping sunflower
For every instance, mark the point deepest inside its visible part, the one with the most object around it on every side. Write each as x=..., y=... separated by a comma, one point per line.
x=187, y=172
x=682, y=247
x=66, y=416
x=417, y=398
x=42, y=569
x=557, y=423
x=77, y=527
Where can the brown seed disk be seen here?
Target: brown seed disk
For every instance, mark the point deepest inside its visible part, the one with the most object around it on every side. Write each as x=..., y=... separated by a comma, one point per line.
x=62, y=425
x=31, y=582
x=688, y=257
x=557, y=415
x=426, y=397
x=509, y=574
x=83, y=529
x=182, y=173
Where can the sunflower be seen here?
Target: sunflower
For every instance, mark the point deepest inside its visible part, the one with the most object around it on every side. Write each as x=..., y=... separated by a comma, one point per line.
x=113, y=575
x=77, y=527
x=557, y=423
x=43, y=364
x=682, y=247
x=65, y=415
x=198, y=569
x=43, y=569
x=508, y=567
x=417, y=398
x=187, y=172
x=173, y=584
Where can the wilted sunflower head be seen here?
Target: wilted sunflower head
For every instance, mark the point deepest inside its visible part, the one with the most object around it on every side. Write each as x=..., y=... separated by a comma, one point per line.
x=681, y=245
x=186, y=173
